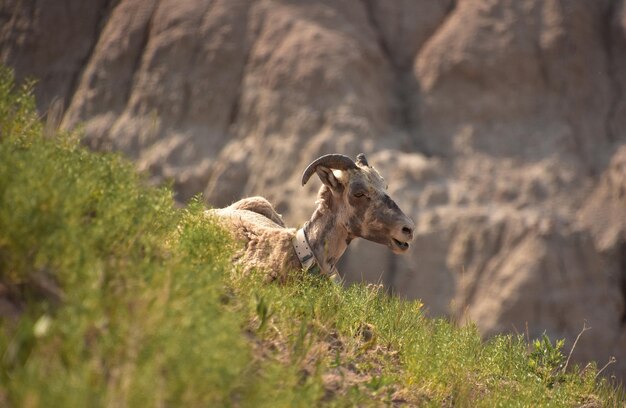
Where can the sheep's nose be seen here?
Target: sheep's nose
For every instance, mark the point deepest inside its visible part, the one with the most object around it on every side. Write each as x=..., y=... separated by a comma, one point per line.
x=408, y=231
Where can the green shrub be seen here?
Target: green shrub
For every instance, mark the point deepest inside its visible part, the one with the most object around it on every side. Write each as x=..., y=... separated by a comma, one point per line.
x=129, y=310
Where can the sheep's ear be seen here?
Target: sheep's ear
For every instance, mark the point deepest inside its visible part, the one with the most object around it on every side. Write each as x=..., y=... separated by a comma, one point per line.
x=328, y=178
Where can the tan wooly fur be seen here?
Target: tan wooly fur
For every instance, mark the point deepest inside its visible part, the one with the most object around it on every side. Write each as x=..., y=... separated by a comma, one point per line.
x=266, y=242
x=352, y=203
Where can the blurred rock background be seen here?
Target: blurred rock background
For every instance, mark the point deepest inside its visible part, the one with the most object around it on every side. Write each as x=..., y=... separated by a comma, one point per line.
x=500, y=126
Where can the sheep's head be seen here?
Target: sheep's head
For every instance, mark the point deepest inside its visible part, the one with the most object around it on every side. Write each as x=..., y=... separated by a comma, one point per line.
x=358, y=198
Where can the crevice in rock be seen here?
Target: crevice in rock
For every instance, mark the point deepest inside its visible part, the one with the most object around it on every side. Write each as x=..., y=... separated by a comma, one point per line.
x=367, y=5
x=467, y=291
x=236, y=102
x=187, y=86
x=234, y=109
x=136, y=64
x=543, y=70
x=449, y=10
x=185, y=102
x=405, y=86
x=451, y=7
x=615, y=92
x=253, y=29
x=420, y=145
x=105, y=12
x=140, y=52
x=622, y=273
x=404, y=83
x=537, y=48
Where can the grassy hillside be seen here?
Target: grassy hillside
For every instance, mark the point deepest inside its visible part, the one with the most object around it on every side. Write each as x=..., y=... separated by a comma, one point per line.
x=111, y=296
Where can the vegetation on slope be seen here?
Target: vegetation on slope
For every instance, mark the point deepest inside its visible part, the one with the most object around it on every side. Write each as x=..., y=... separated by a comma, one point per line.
x=111, y=296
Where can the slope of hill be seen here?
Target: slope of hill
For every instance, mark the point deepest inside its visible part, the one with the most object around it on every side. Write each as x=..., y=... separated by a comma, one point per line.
x=112, y=296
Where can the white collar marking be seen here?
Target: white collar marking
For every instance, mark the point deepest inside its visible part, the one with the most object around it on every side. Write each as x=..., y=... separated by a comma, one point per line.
x=307, y=257
x=303, y=250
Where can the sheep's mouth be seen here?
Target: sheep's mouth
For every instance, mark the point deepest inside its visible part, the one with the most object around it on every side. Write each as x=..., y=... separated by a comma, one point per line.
x=399, y=246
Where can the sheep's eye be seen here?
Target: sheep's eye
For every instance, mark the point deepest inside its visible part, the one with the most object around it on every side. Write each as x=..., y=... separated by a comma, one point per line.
x=359, y=194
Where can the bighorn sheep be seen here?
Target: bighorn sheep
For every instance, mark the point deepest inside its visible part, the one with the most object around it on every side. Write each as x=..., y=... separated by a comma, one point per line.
x=352, y=203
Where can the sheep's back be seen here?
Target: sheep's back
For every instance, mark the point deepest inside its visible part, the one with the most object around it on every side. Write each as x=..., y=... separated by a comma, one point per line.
x=244, y=216
x=262, y=244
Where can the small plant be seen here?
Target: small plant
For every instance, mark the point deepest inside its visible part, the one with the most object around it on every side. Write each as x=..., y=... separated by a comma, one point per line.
x=546, y=359
x=263, y=311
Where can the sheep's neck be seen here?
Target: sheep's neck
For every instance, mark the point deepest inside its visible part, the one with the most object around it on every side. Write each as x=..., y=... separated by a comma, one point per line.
x=327, y=238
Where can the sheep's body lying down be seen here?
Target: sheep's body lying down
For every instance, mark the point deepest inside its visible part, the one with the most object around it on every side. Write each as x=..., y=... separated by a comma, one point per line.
x=352, y=203
x=266, y=241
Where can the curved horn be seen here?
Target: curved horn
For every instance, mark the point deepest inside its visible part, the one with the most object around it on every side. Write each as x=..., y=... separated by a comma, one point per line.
x=332, y=161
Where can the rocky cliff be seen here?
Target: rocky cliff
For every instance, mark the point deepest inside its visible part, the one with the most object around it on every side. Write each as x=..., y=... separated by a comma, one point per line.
x=499, y=124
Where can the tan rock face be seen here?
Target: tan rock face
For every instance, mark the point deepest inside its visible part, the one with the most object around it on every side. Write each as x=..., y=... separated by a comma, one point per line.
x=498, y=124
x=46, y=41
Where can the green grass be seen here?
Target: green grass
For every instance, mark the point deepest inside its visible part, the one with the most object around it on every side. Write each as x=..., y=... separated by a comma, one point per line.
x=114, y=297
